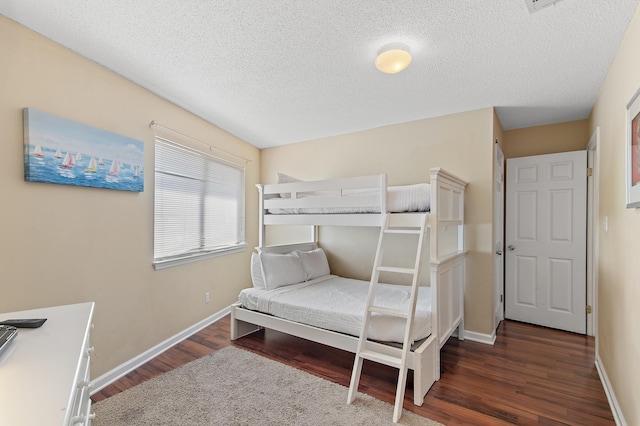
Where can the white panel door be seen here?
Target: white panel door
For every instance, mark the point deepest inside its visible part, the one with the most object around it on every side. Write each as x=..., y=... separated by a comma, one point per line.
x=545, y=281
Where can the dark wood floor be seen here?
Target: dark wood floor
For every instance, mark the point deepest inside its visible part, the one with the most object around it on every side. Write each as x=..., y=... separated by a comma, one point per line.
x=532, y=375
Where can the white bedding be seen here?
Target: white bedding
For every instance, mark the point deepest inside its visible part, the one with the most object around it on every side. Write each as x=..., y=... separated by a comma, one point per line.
x=338, y=304
x=407, y=198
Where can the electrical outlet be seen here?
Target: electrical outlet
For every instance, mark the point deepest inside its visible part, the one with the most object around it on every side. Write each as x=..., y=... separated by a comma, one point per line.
x=206, y=297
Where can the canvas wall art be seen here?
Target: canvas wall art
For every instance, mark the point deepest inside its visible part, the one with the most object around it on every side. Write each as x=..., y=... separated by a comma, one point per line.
x=633, y=152
x=62, y=151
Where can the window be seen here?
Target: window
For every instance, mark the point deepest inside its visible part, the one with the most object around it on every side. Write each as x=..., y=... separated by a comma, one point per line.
x=199, y=205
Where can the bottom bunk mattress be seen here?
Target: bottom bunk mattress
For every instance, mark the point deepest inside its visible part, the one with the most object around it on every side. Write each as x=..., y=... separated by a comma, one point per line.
x=338, y=304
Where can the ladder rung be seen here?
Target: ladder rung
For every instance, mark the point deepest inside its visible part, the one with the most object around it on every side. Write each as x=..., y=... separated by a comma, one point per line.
x=389, y=360
x=396, y=270
x=403, y=231
x=390, y=312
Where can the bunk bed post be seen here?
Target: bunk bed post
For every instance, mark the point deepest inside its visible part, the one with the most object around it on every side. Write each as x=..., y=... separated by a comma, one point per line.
x=435, y=315
x=314, y=235
x=383, y=198
x=461, y=249
x=433, y=218
x=463, y=279
x=433, y=258
x=261, y=226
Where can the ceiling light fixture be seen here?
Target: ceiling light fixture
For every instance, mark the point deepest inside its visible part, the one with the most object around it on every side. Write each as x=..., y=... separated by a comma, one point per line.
x=393, y=58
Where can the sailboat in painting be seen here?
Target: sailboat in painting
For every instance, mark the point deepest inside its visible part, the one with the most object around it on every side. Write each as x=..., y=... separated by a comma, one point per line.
x=58, y=153
x=38, y=152
x=78, y=157
x=68, y=162
x=114, y=170
x=92, y=167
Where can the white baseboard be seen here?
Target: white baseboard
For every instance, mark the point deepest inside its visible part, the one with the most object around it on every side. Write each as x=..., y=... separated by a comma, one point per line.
x=488, y=339
x=611, y=396
x=123, y=369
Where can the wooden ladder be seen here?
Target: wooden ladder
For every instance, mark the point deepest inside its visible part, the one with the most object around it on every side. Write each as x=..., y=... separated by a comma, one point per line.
x=363, y=351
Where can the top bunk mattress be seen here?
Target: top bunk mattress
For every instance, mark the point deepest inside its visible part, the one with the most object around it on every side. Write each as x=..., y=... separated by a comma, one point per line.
x=338, y=304
x=400, y=199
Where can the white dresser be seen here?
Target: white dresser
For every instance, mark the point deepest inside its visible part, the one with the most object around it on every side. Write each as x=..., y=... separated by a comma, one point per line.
x=44, y=373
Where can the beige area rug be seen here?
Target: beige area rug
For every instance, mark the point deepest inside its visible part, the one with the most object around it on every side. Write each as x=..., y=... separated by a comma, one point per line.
x=236, y=387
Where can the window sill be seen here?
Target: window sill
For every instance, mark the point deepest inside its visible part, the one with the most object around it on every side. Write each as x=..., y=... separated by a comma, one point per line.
x=170, y=263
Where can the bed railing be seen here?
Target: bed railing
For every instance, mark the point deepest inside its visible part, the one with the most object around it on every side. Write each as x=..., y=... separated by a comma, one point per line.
x=370, y=192
x=363, y=192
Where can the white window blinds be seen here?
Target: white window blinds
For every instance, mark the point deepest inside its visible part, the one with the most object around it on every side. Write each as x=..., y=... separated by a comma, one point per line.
x=199, y=205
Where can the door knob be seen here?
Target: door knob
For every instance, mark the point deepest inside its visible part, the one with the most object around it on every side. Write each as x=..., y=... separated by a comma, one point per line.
x=499, y=252
x=511, y=247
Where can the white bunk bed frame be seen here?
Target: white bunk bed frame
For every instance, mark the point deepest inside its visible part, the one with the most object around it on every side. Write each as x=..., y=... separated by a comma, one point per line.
x=447, y=270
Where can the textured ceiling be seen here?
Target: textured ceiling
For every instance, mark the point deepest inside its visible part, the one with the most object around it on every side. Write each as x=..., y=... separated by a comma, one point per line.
x=276, y=72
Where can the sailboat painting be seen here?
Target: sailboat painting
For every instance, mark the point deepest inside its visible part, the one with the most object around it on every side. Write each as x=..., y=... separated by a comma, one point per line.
x=58, y=150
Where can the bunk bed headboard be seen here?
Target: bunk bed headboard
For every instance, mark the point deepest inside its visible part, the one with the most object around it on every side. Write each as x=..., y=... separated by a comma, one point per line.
x=447, y=207
x=449, y=200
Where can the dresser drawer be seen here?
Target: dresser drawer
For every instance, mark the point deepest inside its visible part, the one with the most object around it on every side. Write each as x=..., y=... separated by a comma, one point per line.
x=81, y=406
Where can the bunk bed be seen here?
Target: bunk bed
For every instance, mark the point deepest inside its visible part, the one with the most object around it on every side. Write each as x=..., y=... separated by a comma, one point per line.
x=366, y=201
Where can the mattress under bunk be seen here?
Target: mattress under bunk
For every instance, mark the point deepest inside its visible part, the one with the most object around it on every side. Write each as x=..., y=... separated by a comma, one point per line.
x=338, y=304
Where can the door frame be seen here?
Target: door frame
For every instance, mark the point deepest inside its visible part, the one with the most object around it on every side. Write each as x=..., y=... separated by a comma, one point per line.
x=593, y=229
x=593, y=220
x=498, y=235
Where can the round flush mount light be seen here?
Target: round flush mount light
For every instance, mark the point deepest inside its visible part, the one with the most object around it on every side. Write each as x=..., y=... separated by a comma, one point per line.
x=393, y=58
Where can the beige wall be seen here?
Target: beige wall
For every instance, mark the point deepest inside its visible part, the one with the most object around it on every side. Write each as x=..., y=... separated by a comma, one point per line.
x=64, y=244
x=549, y=139
x=461, y=143
x=618, y=341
